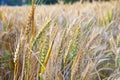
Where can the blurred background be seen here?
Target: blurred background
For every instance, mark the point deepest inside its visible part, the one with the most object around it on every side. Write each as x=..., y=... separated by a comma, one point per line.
x=26, y=2
x=14, y=2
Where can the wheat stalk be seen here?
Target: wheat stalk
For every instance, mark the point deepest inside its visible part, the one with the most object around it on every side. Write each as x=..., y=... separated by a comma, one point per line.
x=29, y=34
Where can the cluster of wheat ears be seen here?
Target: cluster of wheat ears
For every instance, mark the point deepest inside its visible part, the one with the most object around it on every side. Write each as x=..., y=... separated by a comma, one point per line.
x=60, y=42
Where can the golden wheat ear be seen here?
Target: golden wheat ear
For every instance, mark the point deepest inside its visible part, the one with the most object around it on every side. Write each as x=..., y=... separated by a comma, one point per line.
x=30, y=27
x=33, y=25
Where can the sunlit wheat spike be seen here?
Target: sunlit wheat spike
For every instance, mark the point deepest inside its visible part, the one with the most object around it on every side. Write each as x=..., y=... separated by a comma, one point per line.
x=30, y=27
x=44, y=45
x=40, y=32
x=67, y=52
x=76, y=61
x=16, y=55
x=33, y=25
x=71, y=43
x=49, y=51
x=29, y=35
x=62, y=41
x=17, y=58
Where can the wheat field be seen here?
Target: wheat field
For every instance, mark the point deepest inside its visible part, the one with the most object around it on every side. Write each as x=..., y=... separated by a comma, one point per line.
x=60, y=42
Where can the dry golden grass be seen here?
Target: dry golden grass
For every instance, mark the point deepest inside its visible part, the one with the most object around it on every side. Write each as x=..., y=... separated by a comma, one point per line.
x=60, y=42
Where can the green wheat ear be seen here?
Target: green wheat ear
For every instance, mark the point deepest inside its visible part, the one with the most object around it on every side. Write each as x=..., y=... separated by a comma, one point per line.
x=43, y=47
x=38, y=36
x=72, y=47
x=49, y=52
